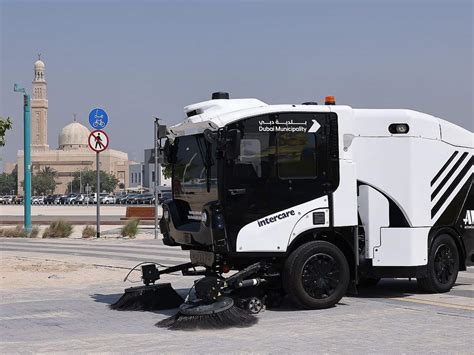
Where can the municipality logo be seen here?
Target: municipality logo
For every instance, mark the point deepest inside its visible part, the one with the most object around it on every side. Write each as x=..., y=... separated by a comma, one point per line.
x=288, y=126
x=314, y=128
x=469, y=219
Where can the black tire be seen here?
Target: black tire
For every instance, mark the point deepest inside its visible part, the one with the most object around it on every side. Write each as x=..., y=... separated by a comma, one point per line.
x=443, y=266
x=316, y=275
x=368, y=282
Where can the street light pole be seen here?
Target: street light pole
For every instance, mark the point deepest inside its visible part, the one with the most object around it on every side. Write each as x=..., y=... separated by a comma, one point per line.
x=26, y=157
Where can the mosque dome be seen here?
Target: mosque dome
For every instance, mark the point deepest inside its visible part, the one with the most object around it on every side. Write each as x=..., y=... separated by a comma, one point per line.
x=39, y=64
x=73, y=136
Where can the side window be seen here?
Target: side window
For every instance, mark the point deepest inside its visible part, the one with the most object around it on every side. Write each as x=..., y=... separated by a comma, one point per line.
x=257, y=151
x=250, y=152
x=296, y=155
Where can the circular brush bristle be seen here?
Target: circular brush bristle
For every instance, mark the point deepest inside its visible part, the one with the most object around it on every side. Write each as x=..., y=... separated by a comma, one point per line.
x=231, y=317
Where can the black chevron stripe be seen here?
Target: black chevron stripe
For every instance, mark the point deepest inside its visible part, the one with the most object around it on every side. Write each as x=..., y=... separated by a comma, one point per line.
x=444, y=167
x=448, y=175
x=452, y=187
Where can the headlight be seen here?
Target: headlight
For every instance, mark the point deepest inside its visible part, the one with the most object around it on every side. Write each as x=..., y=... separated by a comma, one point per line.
x=166, y=214
x=204, y=217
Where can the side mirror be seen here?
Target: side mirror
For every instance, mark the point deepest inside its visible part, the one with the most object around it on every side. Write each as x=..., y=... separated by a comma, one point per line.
x=162, y=131
x=210, y=136
x=169, y=153
x=232, y=150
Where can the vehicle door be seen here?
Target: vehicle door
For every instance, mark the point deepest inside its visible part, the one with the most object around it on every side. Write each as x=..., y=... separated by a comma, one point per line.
x=284, y=161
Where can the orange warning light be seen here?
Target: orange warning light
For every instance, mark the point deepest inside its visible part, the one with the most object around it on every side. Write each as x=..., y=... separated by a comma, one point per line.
x=330, y=100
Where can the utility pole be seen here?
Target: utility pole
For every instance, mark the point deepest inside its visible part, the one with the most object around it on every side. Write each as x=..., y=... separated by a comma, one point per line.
x=26, y=157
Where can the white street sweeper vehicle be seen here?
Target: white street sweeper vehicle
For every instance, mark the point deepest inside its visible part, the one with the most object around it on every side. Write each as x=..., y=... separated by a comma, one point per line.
x=313, y=200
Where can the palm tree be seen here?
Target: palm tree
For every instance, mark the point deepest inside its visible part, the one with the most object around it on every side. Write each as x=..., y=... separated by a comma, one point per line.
x=5, y=125
x=49, y=171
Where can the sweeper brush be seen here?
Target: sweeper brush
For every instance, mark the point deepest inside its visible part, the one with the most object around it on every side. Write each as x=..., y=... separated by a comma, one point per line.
x=148, y=298
x=216, y=303
x=218, y=315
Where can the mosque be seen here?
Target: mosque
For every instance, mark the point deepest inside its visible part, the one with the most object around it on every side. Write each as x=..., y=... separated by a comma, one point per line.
x=73, y=154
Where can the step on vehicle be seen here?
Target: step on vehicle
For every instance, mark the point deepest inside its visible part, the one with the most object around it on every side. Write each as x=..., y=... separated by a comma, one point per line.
x=312, y=200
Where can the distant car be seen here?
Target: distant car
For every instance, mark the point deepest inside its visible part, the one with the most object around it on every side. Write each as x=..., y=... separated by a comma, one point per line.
x=119, y=195
x=50, y=199
x=130, y=200
x=37, y=200
x=163, y=196
x=144, y=199
x=109, y=199
x=122, y=199
x=70, y=199
x=79, y=200
x=7, y=199
x=18, y=200
x=62, y=199
x=101, y=196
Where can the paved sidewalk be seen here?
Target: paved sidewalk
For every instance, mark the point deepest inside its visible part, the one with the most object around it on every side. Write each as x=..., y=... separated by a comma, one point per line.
x=64, y=309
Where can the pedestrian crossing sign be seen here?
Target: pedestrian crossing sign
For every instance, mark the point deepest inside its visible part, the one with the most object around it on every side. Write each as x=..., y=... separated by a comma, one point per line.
x=98, y=140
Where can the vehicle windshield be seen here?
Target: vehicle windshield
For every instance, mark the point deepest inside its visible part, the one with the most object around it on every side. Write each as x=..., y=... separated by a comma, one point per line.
x=194, y=171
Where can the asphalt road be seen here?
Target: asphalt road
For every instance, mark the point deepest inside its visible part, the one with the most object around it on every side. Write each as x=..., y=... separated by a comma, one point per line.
x=73, y=316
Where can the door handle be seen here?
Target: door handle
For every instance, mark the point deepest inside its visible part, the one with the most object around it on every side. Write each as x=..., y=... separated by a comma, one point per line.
x=235, y=192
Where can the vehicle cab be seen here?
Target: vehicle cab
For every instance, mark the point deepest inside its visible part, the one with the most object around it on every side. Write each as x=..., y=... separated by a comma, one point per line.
x=243, y=170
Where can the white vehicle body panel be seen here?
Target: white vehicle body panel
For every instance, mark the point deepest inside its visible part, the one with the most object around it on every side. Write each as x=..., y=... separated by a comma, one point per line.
x=418, y=172
x=374, y=213
x=277, y=235
x=402, y=247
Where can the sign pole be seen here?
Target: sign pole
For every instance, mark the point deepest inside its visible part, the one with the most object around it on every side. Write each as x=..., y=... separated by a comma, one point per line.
x=98, y=193
x=156, y=177
x=98, y=142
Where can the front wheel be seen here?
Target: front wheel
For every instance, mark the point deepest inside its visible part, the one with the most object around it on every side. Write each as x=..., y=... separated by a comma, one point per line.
x=443, y=266
x=316, y=275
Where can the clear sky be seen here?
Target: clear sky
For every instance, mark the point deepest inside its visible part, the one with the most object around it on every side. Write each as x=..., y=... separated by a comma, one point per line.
x=142, y=58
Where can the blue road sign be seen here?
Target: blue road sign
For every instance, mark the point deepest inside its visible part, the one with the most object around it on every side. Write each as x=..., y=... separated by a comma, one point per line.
x=98, y=118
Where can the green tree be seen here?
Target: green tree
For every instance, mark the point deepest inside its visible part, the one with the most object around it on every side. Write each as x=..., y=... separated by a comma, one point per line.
x=108, y=182
x=48, y=171
x=43, y=182
x=5, y=124
x=167, y=171
x=8, y=183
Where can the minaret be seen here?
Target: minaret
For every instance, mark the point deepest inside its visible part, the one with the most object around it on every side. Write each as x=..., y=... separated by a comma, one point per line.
x=39, y=109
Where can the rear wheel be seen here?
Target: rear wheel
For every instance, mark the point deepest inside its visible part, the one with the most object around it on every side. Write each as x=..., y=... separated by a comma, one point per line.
x=316, y=275
x=443, y=266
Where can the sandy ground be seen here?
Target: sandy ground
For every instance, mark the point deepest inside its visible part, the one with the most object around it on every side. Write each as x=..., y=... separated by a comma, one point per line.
x=29, y=272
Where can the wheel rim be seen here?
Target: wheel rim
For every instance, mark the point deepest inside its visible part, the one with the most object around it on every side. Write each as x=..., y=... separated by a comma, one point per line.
x=444, y=264
x=320, y=275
